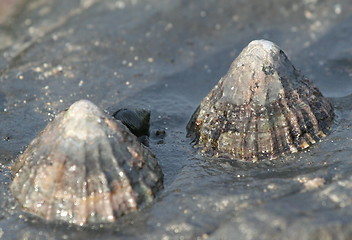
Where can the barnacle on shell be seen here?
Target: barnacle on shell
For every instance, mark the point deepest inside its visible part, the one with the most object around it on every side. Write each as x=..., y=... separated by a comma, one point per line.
x=263, y=107
x=85, y=167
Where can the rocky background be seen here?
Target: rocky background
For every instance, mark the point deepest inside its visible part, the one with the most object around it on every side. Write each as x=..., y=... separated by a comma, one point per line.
x=166, y=56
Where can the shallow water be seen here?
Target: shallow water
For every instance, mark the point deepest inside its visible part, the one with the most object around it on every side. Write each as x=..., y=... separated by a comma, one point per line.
x=166, y=56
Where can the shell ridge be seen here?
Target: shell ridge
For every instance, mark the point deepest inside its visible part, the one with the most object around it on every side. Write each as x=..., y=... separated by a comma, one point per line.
x=71, y=196
x=33, y=165
x=80, y=208
x=285, y=127
x=103, y=208
x=302, y=141
x=93, y=181
x=274, y=139
x=306, y=106
x=124, y=178
x=268, y=146
x=277, y=129
x=321, y=109
x=260, y=134
x=86, y=199
x=149, y=177
x=241, y=127
x=308, y=117
x=26, y=184
x=33, y=177
x=22, y=183
x=57, y=180
x=215, y=133
x=292, y=124
x=245, y=140
x=256, y=145
x=311, y=126
x=295, y=122
x=152, y=165
x=108, y=204
x=250, y=142
x=25, y=188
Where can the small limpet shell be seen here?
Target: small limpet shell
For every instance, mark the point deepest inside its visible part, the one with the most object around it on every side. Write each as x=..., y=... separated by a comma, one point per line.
x=85, y=167
x=263, y=107
x=137, y=120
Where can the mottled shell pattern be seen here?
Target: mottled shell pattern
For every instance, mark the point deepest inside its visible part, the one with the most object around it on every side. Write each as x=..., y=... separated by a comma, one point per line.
x=263, y=107
x=85, y=167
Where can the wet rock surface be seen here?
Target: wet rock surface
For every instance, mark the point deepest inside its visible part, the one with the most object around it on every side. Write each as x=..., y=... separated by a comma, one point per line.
x=166, y=56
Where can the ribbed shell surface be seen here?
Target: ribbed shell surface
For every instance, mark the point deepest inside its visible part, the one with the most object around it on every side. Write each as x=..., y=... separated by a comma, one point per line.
x=263, y=107
x=85, y=167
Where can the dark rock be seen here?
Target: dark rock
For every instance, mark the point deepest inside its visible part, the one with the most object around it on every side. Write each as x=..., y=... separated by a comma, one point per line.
x=137, y=120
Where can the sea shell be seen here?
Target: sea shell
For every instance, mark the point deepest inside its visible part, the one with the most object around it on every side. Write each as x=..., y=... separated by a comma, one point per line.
x=85, y=167
x=137, y=120
x=263, y=107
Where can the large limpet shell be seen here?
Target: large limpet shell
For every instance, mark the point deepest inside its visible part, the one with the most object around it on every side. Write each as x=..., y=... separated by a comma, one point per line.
x=263, y=107
x=85, y=167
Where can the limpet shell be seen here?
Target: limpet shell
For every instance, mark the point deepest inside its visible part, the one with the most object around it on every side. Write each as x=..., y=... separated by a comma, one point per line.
x=137, y=120
x=85, y=167
x=263, y=107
